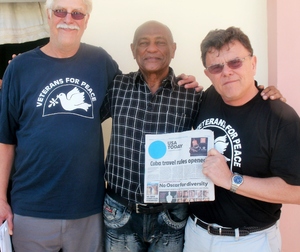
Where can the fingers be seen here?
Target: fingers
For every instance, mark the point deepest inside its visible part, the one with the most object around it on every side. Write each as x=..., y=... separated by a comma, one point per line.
x=271, y=92
x=185, y=76
x=261, y=87
x=10, y=226
x=199, y=88
x=12, y=57
x=189, y=81
x=186, y=79
x=212, y=152
x=215, y=167
x=283, y=99
x=6, y=214
x=194, y=85
x=214, y=157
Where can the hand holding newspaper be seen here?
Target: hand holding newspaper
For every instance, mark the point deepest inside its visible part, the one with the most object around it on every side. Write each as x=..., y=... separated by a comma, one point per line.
x=5, y=244
x=173, y=167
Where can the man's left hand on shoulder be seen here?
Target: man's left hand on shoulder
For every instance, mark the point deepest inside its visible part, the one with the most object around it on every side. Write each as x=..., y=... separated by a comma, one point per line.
x=189, y=81
x=271, y=92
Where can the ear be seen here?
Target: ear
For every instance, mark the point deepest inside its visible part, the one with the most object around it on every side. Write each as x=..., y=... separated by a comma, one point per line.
x=86, y=20
x=132, y=50
x=174, y=46
x=253, y=64
x=49, y=14
x=208, y=74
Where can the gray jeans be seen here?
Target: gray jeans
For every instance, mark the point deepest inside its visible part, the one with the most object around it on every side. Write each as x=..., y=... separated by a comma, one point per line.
x=51, y=235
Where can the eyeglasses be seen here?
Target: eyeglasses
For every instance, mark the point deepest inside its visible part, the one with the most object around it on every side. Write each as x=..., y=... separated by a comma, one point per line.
x=63, y=13
x=233, y=64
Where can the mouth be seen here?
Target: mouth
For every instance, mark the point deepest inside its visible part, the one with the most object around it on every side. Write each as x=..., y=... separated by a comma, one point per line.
x=229, y=82
x=152, y=59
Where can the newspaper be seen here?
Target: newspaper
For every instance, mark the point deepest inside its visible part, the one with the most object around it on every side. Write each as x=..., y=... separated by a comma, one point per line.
x=5, y=244
x=173, y=167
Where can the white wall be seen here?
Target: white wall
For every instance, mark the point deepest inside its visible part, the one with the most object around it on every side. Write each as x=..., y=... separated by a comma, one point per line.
x=113, y=22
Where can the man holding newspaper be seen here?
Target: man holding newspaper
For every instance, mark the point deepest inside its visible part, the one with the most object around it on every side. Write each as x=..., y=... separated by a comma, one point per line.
x=255, y=164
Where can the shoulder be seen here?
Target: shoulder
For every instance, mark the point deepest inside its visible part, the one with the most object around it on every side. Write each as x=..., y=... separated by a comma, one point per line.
x=123, y=81
x=28, y=55
x=91, y=49
x=127, y=78
x=24, y=61
x=95, y=55
x=283, y=110
x=92, y=52
x=211, y=94
x=211, y=91
x=272, y=112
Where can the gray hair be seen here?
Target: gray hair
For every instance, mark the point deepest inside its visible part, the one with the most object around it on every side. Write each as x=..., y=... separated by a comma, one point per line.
x=89, y=5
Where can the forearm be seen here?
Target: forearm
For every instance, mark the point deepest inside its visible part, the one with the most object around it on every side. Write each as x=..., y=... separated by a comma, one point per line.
x=274, y=190
x=6, y=162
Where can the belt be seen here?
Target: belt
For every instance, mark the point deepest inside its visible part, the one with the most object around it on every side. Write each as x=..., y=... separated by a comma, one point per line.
x=139, y=207
x=225, y=231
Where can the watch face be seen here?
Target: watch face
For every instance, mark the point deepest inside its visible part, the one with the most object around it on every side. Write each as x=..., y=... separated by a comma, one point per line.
x=238, y=179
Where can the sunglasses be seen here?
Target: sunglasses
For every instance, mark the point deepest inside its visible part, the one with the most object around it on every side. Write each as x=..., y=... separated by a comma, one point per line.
x=233, y=64
x=63, y=13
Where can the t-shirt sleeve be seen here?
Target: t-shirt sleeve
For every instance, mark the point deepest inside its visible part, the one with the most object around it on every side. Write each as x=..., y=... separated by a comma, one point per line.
x=285, y=160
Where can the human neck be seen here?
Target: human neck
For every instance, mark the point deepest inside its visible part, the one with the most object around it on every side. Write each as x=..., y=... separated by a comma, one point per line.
x=59, y=51
x=154, y=80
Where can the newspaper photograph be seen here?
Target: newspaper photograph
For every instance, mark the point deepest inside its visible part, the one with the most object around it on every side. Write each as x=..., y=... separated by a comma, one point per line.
x=173, y=167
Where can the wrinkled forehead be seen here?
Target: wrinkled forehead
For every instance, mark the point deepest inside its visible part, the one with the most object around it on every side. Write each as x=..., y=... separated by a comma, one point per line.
x=231, y=47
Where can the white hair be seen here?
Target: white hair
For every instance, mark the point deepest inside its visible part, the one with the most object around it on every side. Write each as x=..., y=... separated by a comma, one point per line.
x=89, y=5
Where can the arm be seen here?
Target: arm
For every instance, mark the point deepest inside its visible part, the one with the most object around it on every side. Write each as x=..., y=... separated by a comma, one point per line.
x=189, y=81
x=6, y=161
x=106, y=107
x=273, y=190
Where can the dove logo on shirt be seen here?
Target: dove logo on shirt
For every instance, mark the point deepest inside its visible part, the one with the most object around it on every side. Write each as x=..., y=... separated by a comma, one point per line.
x=74, y=99
x=68, y=99
x=227, y=140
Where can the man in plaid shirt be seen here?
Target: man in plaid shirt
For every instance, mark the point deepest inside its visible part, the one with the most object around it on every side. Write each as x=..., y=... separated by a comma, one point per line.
x=148, y=101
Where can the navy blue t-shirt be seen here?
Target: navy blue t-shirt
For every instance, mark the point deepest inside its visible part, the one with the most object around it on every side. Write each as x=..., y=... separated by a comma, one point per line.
x=50, y=111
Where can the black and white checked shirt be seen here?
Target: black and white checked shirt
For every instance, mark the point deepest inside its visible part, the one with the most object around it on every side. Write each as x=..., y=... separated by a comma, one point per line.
x=135, y=112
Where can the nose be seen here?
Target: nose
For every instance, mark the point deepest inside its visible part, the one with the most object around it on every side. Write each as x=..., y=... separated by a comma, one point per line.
x=152, y=47
x=68, y=18
x=226, y=70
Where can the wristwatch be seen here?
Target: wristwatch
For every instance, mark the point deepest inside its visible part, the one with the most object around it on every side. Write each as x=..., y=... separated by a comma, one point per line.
x=236, y=181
